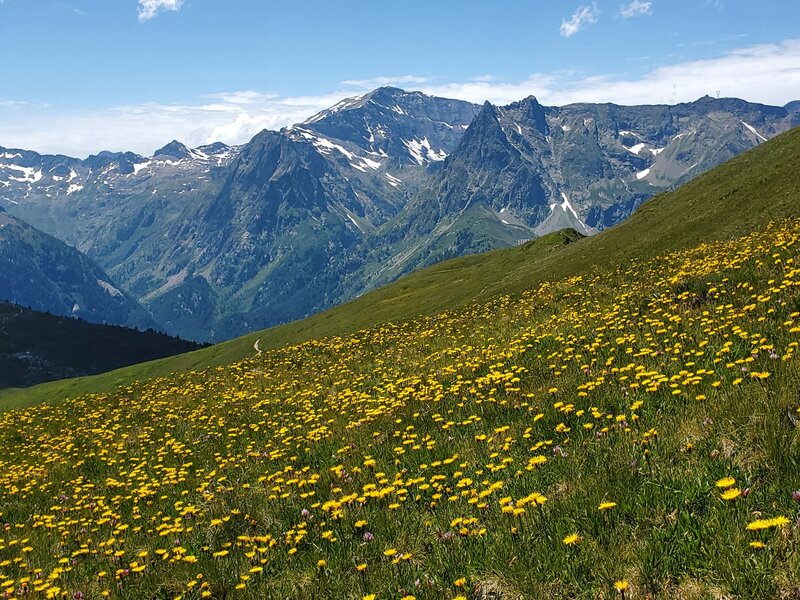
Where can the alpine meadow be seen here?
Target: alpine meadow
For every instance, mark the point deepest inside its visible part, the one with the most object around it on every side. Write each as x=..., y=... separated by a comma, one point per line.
x=352, y=342
x=627, y=430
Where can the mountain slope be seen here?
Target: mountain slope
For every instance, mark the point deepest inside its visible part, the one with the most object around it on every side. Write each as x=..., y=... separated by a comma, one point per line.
x=272, y=244
x=36, y=347
x=44, y=273
x=742, y=195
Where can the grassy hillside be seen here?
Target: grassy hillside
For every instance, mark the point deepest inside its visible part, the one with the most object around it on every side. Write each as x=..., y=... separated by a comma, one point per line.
x=625, y=433
x=37, y=347
x=736, y=198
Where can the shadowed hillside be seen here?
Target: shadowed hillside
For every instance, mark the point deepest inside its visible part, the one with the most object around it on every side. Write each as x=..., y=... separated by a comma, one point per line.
x=36, y=347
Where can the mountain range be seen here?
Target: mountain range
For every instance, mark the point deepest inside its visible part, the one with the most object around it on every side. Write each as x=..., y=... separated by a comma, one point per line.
x=217, y=241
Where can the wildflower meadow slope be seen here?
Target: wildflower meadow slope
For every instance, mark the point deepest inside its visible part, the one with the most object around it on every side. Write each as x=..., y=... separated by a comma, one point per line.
x=628, y=432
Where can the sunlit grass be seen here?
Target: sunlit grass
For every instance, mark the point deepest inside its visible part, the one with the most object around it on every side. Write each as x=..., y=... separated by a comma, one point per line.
x=586, y=438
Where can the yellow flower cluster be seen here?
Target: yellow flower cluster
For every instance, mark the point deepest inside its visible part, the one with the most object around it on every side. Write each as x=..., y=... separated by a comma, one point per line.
x=409, y=447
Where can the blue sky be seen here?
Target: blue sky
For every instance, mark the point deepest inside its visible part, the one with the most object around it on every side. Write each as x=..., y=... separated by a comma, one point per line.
x=85, y=75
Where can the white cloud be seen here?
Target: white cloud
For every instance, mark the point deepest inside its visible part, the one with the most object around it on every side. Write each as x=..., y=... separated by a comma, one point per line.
x=11, y=103
x=496, y=92
x=229, y=117
x=635, y=8
x=584, y=15
x=150, y=8
x=376, y=82
x=768, y=73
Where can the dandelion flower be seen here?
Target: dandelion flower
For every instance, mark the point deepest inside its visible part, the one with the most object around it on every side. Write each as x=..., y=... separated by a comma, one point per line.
x=730, y=494
x=572, y=539
x=767, y=523
x=726, y=482
x=606, y=505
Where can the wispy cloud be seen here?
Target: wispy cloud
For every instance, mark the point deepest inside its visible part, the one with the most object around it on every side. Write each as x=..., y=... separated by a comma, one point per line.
x=635, y=8
x=583, y=15
x=75, y=9
x=376, y=82
x=767, y=73
x=150, y=8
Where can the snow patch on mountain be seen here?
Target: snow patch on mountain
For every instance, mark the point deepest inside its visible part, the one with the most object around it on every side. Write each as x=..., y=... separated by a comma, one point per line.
x=393, y=181
x=635, y=149
x=567, y=206
x=416, y=148
x=326, y=147
x=753, y=131
x=339, y=106
x=29, y=174
x=563, y=215
x=372, y=164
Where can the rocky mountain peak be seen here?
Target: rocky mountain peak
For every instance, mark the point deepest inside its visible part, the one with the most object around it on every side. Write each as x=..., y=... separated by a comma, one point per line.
x=214, y=149
x=174, y=149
